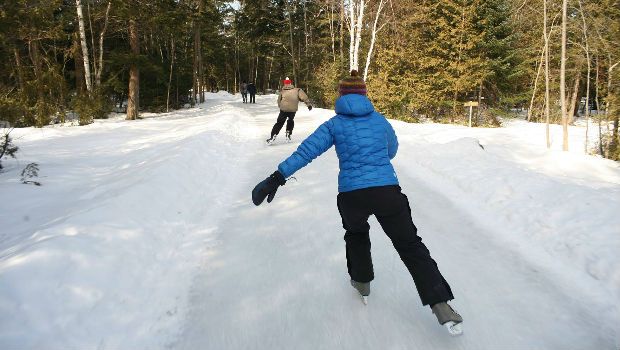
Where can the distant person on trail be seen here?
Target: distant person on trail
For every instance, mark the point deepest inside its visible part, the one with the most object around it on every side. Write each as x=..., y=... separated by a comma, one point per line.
x=243, y=89
x=288, y=102
x=252, y=92
x=365, y=143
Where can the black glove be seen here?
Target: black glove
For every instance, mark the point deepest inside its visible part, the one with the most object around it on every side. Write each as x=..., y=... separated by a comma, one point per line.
x=267, y=188
x=309, y=107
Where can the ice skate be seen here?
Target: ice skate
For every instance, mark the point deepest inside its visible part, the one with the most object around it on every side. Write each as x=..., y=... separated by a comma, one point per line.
x=287, y=136
x=363, y=289
x=271, y=140
x=447, y=317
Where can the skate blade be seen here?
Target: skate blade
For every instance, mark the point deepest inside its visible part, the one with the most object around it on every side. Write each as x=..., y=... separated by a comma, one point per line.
x=454, y=329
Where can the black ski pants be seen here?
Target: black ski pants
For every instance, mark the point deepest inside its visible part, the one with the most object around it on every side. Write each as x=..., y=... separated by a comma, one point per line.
x=252, y=97
x=290, y=123
x=392, y=210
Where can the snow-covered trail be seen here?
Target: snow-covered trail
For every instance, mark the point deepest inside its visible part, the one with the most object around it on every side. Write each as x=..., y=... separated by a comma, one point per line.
x=277, y=277
x=143, y=236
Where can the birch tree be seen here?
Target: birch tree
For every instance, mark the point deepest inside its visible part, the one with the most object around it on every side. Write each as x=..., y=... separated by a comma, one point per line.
x=86, y=57
x=356, y=20
x=373, y=37
x=563, y=108
x=101, y=37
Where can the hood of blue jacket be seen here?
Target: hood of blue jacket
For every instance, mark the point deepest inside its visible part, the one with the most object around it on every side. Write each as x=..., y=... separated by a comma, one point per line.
x=354, y=105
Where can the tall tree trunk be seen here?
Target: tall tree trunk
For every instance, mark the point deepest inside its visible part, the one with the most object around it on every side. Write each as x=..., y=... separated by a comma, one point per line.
x=563, y=79
x=87, y=76
x=306, y=48
x=237, y=68
x=457, y=87
x=573, y=102
x=615, y=140
x=358, y=34
x=33, y=46
x=201, y=72
x=598, y=109
x=547, y=107
x=270, y=69
x=92, y=41
x=172, y=54
x=341, y=31
x=19, y=69
x=101, y=36
x=196, y=70
x=80, y=82
x=587, y=49
x=540, y=65
x=290, y=33
x=331, y=29
x=373, y=37
x=133, y=100
x=351, y=33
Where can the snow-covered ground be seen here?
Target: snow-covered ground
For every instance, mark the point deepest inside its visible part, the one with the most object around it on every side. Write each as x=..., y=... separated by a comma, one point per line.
x=143, y=236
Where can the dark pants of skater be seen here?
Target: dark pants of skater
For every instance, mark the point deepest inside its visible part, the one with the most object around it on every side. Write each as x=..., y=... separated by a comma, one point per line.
x=252, y=98
x=244, y=95
x=392, y=210
x=290, y=123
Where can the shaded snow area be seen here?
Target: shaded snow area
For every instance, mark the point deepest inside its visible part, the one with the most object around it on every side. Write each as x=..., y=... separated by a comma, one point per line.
x=143, y=236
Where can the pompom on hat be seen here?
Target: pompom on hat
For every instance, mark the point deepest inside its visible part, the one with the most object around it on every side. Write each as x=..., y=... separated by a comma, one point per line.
x=287, y=81
x=352, y=85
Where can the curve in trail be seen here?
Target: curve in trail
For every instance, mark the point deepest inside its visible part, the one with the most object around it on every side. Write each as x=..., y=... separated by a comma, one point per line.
x=278, y=279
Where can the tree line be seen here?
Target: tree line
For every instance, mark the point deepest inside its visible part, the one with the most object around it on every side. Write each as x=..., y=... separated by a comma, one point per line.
x=421, y=59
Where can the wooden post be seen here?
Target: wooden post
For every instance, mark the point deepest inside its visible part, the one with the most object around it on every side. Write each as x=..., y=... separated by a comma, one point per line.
x=471, y=105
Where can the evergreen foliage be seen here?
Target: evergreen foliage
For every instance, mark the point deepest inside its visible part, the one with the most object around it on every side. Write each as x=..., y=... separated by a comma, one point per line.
x=429, y=57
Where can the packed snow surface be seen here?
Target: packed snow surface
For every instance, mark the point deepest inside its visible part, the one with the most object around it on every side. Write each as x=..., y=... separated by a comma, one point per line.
x=143, y=236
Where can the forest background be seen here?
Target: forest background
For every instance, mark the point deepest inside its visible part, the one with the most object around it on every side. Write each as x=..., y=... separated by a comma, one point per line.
x=550, y=61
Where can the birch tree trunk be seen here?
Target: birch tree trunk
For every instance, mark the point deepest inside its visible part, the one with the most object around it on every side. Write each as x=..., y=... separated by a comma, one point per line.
x=87, y=76
x=587, y=49
x=133, y=99
x=351, y=33
x=101, y=36
x=373, y=37
x=358, y=34
x=542, y=57
x=563, y=79
x=92, y=42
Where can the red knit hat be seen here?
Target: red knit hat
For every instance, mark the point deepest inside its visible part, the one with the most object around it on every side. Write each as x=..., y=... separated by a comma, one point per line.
x=287, y=81
x=352, y=85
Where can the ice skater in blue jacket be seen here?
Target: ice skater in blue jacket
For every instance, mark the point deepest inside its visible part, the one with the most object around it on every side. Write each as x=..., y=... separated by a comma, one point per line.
x=367, y=184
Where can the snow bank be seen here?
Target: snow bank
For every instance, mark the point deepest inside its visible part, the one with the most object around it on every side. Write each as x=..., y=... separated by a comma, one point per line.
x=563, y=202
x=105, y=251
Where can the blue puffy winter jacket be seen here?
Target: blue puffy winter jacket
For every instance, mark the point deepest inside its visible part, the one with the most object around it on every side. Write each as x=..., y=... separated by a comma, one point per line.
x=365, y=142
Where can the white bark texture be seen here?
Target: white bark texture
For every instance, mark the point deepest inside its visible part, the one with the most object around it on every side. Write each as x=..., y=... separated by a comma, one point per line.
x=80, y=13
x=373, y=37
x=101, y=36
